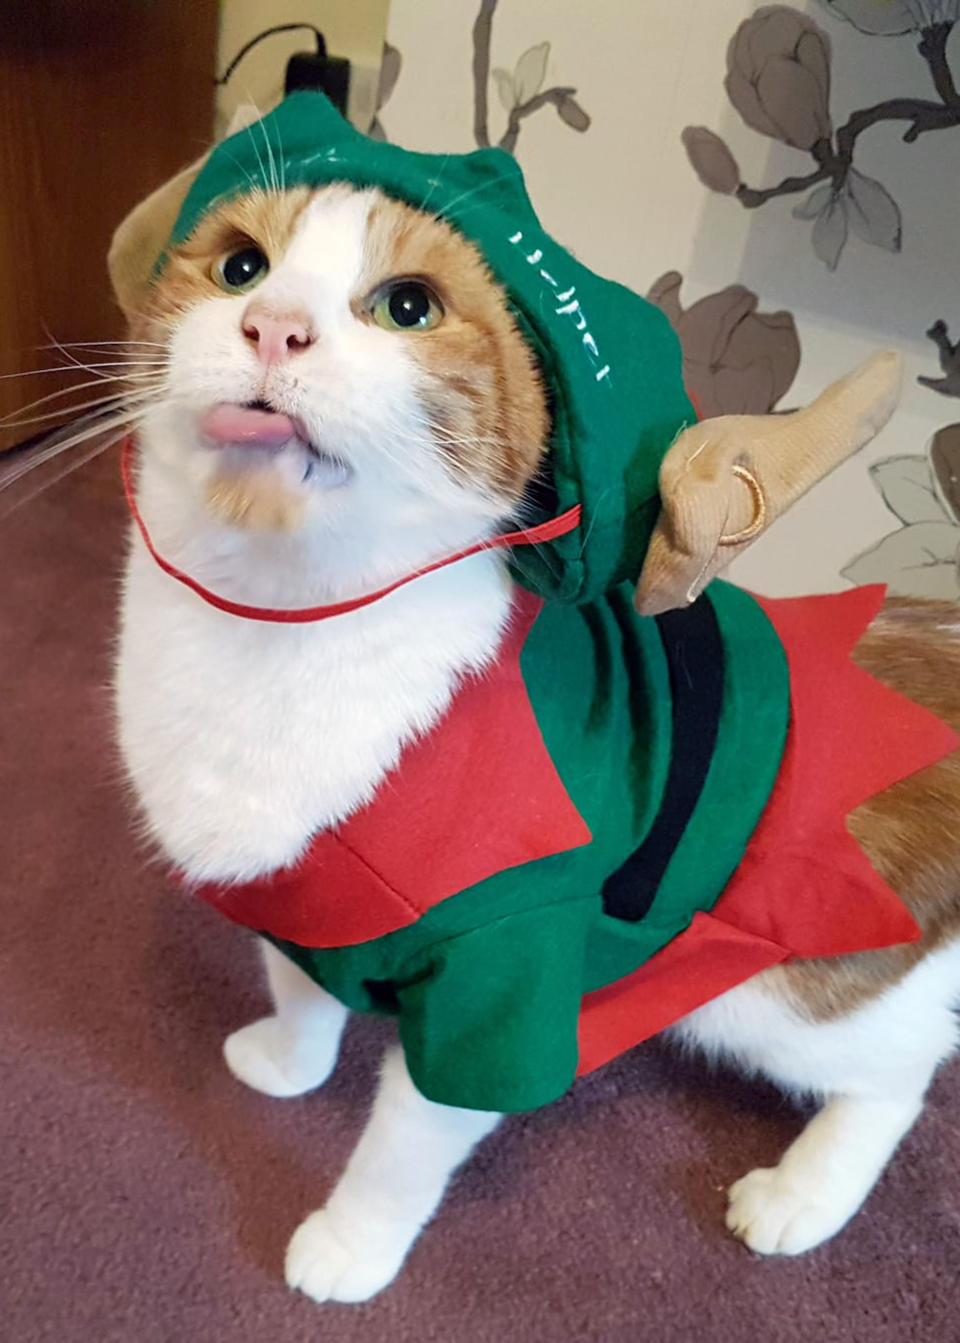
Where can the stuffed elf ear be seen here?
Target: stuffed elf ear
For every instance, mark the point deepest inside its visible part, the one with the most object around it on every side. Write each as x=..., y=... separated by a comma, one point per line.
x=724, y=481
x=139, y=240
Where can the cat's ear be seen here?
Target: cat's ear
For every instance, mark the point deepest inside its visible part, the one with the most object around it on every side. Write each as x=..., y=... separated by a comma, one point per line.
x=724, y=481
x=139, y=240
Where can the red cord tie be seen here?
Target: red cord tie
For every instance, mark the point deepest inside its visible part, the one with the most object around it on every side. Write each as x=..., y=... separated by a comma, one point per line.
x=531, y=536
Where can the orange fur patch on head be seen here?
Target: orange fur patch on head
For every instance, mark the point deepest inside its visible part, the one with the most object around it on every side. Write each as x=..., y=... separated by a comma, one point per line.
x=479, y=381
x=267, y=218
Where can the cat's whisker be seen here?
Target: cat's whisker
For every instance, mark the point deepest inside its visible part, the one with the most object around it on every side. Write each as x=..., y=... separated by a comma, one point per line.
x=83, y=364
x=87, y=368
x=74, y=464
x=63, y=440
x=97, y=344
x=435, y=183
x=253, y=141
x=251, y=181
x=464, y=195
x=283, y=166
x=14, y=418
x=274, y=180
x=105, y=402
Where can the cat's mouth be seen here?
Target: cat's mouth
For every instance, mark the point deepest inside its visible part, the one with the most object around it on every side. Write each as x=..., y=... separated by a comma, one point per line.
x=252, y=433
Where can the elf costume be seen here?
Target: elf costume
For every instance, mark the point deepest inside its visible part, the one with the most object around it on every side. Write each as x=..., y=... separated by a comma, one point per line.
x=625, y=816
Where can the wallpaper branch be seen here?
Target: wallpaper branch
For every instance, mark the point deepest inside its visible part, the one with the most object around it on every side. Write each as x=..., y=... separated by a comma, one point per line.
x=521, y=91
x=949, y=384
x=778, y=79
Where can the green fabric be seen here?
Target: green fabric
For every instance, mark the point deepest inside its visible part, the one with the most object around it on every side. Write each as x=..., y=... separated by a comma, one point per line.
x=611, y=359
x=487, y=985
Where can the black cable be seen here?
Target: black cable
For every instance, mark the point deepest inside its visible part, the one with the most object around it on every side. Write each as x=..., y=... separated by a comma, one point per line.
x=269, y=32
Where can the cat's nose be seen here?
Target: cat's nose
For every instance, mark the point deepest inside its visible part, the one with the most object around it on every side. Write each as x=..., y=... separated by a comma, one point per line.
x=277, y=333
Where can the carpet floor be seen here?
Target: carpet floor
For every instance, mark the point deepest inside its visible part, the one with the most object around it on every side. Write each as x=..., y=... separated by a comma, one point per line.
x=146, y=1197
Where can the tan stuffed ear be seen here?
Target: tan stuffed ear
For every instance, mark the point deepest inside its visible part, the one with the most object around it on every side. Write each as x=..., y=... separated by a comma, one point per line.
x=139, y=240
x=724, y=481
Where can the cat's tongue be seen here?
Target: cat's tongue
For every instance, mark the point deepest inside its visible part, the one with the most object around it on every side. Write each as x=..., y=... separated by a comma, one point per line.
x=231, y=423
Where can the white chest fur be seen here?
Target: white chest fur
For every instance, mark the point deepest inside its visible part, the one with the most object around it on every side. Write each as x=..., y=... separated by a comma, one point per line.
x=243, y=739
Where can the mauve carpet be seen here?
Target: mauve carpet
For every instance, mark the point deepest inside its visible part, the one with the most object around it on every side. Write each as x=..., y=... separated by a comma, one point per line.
x=147, y=1197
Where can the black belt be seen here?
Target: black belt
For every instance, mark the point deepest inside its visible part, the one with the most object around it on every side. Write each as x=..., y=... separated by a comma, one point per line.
x=694, y=653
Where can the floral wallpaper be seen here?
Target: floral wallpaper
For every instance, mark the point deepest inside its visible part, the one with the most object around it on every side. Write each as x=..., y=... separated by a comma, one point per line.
x=520, y=90
x=736, y=359
x=778, y=79
x=845, y=117
x=921, y=558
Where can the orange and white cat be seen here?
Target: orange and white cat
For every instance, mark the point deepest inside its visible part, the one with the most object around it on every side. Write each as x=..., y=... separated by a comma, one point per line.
x=304, y=445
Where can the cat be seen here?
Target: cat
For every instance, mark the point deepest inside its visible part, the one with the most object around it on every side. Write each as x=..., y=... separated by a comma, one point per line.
x=289, y=318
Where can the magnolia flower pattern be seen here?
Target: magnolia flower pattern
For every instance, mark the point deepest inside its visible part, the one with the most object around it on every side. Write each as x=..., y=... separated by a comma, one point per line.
x=922, y=557
x=778, y=79
x=520, y=90
x=736, y=360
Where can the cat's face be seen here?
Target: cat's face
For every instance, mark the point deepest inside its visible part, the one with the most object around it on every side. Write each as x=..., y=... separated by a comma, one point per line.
x=341, y=365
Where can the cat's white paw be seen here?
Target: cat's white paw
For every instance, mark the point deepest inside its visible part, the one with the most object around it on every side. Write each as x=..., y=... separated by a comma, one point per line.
x=270, y=1057
x=777, y=1213
x=329, y=1263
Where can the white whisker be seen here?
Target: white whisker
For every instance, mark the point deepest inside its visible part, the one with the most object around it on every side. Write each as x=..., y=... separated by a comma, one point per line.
x=274, y=181
x=256, y=150
x=87, y=368
x=96, y=344
x=68, y=469
x=14, y=418
x=62, y=440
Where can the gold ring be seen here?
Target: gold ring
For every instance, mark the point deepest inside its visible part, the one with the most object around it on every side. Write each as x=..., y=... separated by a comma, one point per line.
x=759, y=509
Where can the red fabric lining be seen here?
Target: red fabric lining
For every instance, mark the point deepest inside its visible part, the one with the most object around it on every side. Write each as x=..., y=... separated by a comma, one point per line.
x=706, y=959
x=804, y=886
x=531, y=536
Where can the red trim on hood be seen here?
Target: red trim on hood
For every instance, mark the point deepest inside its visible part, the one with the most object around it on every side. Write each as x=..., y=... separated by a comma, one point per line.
x=530, y=536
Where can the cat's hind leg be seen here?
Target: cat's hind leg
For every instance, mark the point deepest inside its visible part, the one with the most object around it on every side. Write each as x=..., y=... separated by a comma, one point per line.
x=294, y=1049
x=871, y=1068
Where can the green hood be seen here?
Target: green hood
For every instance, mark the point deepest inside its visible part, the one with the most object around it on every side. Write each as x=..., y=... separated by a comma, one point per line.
x=610, y=359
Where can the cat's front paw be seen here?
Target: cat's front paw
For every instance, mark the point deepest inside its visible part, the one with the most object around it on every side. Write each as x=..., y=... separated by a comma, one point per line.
x=778, y=1213
x=328, y=1262
x=271, y=1057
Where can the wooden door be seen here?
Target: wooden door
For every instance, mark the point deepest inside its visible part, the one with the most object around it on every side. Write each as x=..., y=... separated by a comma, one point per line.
x=100, y=100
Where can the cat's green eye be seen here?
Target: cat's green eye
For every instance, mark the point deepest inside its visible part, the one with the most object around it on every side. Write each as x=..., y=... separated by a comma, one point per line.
x=240, y=270
x=406, y=305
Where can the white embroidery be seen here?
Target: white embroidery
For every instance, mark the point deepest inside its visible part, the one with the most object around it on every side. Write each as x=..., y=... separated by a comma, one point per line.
x=569, y=306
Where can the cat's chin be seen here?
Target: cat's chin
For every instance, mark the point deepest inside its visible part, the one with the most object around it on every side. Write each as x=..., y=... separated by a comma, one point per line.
x=267, y=488
x=294, y=463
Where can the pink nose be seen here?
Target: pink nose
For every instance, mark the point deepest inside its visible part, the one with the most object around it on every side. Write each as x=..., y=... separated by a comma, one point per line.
x=277, y=333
